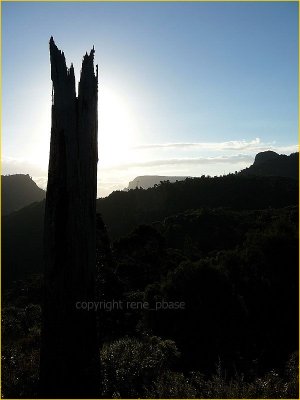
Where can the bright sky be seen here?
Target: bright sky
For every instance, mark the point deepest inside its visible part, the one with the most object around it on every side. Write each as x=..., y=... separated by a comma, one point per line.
x=184, y=88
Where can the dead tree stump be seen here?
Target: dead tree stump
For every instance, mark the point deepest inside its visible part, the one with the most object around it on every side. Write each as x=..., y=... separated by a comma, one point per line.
x=69, y=354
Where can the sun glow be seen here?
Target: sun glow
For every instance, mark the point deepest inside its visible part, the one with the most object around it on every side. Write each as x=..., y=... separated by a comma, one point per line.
x=117, y=128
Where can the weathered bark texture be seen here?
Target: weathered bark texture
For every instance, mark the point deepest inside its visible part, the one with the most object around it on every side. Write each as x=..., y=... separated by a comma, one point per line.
x=69, y=355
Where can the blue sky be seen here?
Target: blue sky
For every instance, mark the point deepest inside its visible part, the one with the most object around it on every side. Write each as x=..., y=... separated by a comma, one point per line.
x=184, y=88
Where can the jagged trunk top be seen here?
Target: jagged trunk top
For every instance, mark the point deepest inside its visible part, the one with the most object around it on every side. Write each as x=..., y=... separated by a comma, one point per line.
x=62, y=76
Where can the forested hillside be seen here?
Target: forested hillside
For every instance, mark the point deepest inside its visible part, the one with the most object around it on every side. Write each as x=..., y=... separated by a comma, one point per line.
x=205, y=275
x=123, y=211
x=236, y=275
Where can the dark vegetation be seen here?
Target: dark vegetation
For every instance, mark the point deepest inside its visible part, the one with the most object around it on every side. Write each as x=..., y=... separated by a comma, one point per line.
x=123, y=211
x=225, y=247
x=22, y=243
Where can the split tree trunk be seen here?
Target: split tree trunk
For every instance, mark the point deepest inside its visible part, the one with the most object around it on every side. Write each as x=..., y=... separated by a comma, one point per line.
x=69, y=355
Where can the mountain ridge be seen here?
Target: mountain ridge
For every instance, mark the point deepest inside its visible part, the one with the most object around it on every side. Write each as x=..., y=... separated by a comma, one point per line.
x=147, y=181
x=266, y=163
x=18, y=191
x=270, y=163
x=123, y=211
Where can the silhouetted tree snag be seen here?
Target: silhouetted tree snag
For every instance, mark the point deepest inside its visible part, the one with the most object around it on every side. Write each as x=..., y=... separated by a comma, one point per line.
x=69, y=355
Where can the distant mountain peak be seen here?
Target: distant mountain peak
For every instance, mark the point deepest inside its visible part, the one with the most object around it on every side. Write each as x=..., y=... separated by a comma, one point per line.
x=265, y=156
x=147, y=181
x=269, y=163
x=18, y=191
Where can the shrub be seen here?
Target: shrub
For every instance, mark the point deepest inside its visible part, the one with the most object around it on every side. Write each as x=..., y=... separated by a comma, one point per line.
x=130, y=365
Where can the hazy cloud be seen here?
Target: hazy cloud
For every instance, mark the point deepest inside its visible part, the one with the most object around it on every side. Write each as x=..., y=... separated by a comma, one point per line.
x=11, y=165
x=232, y=145
x=187, y=161
x=286, y=149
